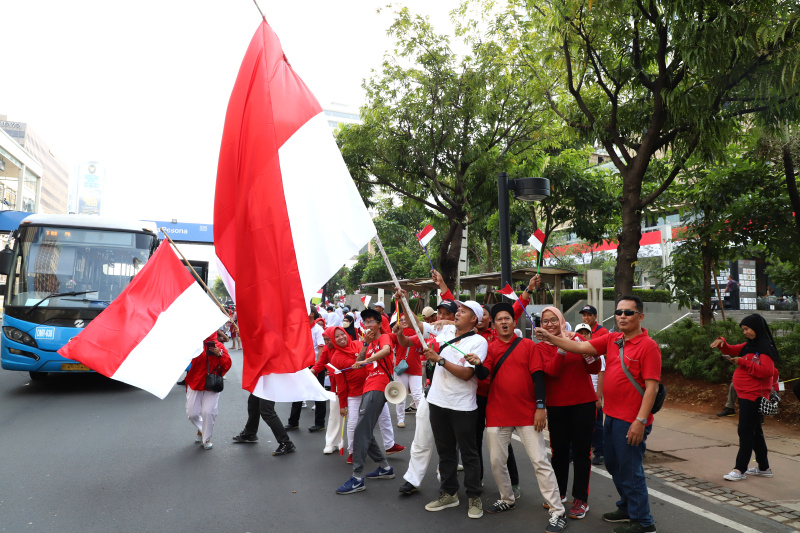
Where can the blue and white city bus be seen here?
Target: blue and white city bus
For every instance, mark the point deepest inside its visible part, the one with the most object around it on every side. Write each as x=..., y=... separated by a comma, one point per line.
x=62, y=272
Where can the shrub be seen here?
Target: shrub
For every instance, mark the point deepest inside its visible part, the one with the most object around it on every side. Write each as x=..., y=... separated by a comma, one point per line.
x=570, y=297
x=686, y=348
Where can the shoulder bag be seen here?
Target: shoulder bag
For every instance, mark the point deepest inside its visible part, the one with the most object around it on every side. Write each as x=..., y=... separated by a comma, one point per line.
x=214, y=382
x=768, y=406
x=662, y=390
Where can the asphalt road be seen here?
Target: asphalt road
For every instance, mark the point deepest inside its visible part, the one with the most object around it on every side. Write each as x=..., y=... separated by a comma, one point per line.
x=86, y=454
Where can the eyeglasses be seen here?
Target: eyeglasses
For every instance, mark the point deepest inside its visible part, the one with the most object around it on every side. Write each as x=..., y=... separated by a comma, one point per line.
x=553, y=321
x=370, y=323
x=626, y=312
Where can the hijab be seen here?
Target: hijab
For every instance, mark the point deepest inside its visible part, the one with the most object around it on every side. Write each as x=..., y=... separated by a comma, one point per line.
x=763, y=343
x=351, y=329
x=562, y=330
x=351, y=350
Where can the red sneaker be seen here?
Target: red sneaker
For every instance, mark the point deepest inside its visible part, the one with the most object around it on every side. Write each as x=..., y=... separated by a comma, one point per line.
x=350, y=459
x=395, y=449
x=579, y=509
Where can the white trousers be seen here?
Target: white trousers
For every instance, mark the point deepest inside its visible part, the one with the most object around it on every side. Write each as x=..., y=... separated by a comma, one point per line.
x=332, y=434
x=384, y=422
x=413, y=384
x=498, y=439
x=202, y=408
x=422, y=447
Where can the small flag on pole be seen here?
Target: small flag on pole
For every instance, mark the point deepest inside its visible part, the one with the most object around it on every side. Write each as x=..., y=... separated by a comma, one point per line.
x=537, y=239
x=365, y=300
x=425, y=236
x=508, y=291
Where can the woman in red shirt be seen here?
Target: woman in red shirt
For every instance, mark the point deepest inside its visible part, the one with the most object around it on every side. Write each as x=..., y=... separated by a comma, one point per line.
x=755, y=362
x=202, y=405
x=571, y=410
x=350, y=383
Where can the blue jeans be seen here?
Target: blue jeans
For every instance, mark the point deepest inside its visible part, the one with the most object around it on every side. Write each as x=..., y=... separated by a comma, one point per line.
x=597, y=437
x=624, y=463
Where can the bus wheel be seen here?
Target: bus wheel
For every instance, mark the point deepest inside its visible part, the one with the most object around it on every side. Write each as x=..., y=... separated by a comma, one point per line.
x=38, y=376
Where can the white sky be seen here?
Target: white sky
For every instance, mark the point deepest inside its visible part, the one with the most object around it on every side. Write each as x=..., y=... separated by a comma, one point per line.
x=142, y=87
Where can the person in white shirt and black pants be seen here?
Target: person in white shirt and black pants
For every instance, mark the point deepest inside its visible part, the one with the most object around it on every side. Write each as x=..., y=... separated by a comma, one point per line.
x=454, y=409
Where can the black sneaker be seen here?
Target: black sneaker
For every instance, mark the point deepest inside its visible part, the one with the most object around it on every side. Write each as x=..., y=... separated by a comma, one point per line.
x=617, y=516
x=726, y=412
x=598, y=460
x=556, y=524
x=635, y=527
x=314, y=429
x=290, y=427
x=284, y=448
x=411, y=409
x=244, y=437
x=499, y=506
x=407, y=488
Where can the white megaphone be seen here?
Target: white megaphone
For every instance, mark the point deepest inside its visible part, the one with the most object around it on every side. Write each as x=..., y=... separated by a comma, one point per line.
x=395, y=392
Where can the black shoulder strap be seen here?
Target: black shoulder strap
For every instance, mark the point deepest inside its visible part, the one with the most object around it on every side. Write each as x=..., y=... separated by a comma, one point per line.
x=621, y=343
x=442, y=346
x=505, y=355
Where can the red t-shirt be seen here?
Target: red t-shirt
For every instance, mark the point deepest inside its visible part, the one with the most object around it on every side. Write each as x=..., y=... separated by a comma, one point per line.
x=567, y=377
x=378, y=372
x=412, y=356
x=753, y=376
x=483, y=385
x=643, y=359
x=196, y=376
x=350, y=382
x=599, y=331
x=386, y=328
x=512, y=397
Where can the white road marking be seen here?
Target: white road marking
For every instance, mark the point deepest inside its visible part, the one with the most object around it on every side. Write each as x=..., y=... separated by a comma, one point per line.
x=682, y=504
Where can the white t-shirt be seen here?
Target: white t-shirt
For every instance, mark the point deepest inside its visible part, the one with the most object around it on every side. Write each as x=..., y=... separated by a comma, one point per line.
x=447, y=390
x=602, y=369
x=428, y=330
x=317, y=340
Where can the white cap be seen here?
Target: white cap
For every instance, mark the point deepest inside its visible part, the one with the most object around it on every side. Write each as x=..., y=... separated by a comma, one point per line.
x=377, y=304
x=473, y=306
x=581, y=326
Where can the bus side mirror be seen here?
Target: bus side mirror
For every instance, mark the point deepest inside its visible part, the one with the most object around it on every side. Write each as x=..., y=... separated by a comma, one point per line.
x=6, y=257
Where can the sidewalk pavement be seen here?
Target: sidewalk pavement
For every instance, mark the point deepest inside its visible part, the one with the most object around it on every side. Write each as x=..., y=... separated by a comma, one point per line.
x=702, y=448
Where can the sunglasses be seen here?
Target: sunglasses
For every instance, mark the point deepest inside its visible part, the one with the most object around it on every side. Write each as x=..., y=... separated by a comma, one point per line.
x=626, y=312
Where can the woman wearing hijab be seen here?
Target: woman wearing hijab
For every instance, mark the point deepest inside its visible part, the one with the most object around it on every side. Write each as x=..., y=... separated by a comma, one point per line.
x=571, y=410
x=755, y=362
x=349, y=326
x=349, y=383
x=202, y=405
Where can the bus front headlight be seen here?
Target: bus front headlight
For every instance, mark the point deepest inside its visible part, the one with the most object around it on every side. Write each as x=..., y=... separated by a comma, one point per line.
x=20, y=336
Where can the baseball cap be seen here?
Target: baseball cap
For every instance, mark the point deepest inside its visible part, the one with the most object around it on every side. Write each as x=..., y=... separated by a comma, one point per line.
x=502, y=306
x=588, y=309
x=428, y=312
x=583, y=327
x=473, y=306
x=449, y=305
x=379, y=304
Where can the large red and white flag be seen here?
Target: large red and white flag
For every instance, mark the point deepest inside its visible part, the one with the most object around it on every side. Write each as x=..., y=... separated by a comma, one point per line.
x=148, y=335
x=425, y=236
x=277, y=159
x=537, y=240
x=508, y=291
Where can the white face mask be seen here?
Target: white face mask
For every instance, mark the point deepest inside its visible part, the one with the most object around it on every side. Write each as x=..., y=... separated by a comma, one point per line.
x=346, y=323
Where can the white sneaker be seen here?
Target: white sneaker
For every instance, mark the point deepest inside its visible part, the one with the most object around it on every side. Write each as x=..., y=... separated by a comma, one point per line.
x=460, y=468
x=734, y=475
x=401, y=424
x=305, y=405
x=329, y=450
x=198, y=439
x=756, y=472
x=207, y=445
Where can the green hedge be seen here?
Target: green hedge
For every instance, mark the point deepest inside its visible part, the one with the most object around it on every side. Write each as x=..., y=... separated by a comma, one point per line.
x=572, y=296
x=686, y=348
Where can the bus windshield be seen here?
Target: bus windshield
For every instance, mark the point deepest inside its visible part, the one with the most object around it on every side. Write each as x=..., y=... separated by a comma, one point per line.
x=93, y=264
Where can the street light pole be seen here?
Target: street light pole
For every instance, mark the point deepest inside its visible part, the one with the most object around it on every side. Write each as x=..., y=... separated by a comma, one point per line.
x=505, y=232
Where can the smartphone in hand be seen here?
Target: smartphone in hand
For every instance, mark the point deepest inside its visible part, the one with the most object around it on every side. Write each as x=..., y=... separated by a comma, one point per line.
x=726, y=356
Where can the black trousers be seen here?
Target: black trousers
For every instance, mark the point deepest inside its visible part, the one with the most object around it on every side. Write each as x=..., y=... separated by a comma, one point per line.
x=454, y=431
x=513, y=473
x=259, y=407
x=751, y=437
x=572, y=426
x=319, y=412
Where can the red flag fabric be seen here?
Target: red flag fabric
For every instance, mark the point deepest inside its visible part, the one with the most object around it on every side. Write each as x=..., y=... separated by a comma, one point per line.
x=537, y=239
x=508, y=291
x=425, y=236
x=277, y=158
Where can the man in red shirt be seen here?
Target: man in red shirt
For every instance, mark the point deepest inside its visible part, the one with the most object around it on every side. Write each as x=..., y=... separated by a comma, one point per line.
x=589, y=316
x=373, y=356
x=517, y=401
x=386, y=327
x=628, y=418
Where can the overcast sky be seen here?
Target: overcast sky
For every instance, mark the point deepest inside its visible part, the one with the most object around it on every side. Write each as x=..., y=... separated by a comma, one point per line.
x=142, y=87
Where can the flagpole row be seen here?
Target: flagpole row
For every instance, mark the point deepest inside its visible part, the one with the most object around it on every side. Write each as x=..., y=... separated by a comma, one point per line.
x=199, y=279
x=402, y=296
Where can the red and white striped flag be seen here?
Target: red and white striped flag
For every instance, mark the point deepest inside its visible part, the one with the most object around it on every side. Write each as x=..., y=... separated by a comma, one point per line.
x=425, y=236
x=365, y=300
x=537, y=240
x=148, y=335
x=276, y=159
x=508, y=291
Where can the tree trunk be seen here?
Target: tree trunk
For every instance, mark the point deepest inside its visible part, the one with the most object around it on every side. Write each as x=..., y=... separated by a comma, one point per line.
x=705, y=307
x=449, y=254
x=629, y=237
x=791, y=185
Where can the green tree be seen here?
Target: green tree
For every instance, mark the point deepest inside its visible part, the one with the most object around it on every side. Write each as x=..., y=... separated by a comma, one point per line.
x=439, y=125
x=656, y=80
x=220, y=291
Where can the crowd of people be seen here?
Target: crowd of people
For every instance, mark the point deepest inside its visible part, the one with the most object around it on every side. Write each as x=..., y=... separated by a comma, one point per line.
x=470, y=377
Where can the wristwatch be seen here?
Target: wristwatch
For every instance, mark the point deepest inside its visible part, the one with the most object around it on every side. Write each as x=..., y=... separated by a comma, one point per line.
x=527, y=290
x=643, y=420
x=441, y=361
x=539, y=405
x=365, y=344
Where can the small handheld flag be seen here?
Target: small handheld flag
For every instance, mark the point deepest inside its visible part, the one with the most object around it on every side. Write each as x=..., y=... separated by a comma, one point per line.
x=424, y=237
x=537, y=241
x=365, y=300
